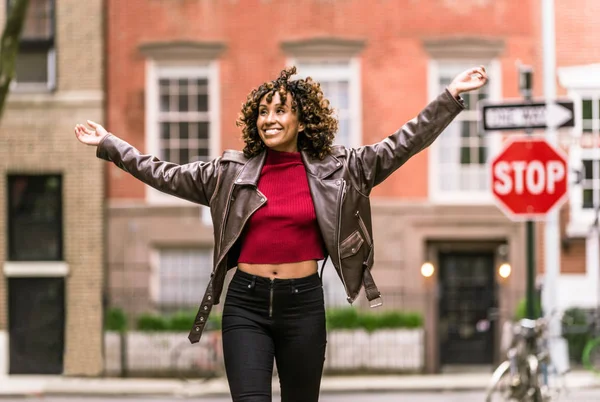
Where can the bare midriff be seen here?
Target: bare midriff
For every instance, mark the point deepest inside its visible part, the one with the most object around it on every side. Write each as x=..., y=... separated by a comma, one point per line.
x=291, y=270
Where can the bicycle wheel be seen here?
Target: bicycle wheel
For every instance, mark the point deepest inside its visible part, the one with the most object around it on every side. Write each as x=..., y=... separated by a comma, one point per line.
x=591, y=355
x=507, y=388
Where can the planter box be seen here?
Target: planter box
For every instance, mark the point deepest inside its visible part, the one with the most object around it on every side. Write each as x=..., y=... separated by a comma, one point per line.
x=163, y=353
x=171, y=353
x=394, y=350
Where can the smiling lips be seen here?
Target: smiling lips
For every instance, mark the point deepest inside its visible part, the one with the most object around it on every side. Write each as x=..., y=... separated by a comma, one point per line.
x=273, y=131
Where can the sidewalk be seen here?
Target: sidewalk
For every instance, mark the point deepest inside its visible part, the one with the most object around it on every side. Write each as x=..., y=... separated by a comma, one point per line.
x=57, y=385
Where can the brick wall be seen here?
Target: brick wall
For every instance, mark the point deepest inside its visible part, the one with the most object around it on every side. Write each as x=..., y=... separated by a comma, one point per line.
x=393, y=62
x=36, y=136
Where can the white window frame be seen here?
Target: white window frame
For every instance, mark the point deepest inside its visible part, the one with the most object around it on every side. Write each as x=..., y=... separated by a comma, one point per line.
x=580, y=219
x=163, y=69
x=482, y=197
x=352, y=73
x=155, y=277
x=581, y=81
x=49, y=85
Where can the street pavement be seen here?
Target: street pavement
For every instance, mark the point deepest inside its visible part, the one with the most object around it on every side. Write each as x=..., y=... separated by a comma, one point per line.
x=587, y=395
x=448, y=387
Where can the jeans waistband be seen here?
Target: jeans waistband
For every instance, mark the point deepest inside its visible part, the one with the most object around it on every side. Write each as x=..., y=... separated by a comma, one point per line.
x=253, y=281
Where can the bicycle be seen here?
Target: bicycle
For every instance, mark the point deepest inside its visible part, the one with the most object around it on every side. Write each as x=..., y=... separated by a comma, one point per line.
x=526, y=373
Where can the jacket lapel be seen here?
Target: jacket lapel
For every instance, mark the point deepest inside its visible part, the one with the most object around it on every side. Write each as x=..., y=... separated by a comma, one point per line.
x=326, y=194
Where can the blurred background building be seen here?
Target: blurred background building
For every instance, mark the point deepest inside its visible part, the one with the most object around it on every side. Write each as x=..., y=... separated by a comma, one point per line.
x=52, y=195
x=176, y=75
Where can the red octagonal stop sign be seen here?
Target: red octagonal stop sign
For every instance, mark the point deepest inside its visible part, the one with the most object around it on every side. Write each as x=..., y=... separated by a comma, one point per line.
x=529, y=178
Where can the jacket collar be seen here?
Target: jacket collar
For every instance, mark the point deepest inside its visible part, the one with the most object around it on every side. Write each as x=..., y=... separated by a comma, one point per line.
x=319, y=168
x=322, y=168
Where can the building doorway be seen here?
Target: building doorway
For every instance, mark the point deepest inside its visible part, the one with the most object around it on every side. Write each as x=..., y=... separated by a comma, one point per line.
x=467, y=296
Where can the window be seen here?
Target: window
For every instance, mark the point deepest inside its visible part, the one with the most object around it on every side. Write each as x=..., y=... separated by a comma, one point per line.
x=35, y=218
x=182, y=117
x=459, y=168
x=584, y=159
x=340, y=81
x=36, y=61
x=180, y=276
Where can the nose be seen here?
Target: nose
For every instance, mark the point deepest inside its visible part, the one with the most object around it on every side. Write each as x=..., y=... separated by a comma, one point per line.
x=270, y=117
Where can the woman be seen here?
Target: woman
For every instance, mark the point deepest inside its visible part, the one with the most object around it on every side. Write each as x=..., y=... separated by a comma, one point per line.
x=287, y=201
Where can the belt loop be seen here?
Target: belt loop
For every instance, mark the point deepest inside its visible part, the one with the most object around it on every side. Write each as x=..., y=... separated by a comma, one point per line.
x=252, y=283
x=292, y=284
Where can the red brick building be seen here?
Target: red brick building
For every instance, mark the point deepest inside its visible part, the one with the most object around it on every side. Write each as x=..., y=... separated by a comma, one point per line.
x=177, y=73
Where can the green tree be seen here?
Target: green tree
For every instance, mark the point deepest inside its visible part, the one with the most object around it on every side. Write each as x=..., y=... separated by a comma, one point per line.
x=9, y=46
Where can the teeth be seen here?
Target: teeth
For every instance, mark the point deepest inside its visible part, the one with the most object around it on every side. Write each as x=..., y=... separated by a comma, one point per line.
x=273, y=131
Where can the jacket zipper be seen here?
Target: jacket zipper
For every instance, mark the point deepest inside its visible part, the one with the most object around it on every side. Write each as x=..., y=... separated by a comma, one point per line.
x=339, y=231
x=364, y=229
x=226, y=249
x=271, y=299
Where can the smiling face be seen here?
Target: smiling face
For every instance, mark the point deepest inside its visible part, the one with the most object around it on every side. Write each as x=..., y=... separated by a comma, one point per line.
x=278, y=124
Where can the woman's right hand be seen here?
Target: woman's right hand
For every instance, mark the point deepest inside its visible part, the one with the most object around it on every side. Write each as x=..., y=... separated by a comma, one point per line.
x=91, y=136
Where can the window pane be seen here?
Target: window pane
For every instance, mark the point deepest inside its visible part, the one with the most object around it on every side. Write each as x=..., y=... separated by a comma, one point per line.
x=183, y=131
x=183, y=104
x=586, y=109
x=183, y=275
x=465, y=155
x=184, y=156
x=202, y=103
x=35, y=218
x=38, y=20
x=588, y=198
x=32, y=66
x=203, y=131
x=482, y=155
x=164, y=131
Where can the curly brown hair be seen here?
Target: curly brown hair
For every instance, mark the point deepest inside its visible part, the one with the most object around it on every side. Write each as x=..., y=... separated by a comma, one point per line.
x=314, y=111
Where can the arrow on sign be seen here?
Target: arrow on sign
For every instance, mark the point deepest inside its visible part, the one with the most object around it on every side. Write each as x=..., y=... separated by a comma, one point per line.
x=521, y=116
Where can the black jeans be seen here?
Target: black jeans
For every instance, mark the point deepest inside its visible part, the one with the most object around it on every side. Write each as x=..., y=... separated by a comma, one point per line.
x=281, y=320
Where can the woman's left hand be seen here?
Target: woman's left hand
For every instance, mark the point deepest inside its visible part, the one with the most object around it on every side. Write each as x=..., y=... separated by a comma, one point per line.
x=469, y=80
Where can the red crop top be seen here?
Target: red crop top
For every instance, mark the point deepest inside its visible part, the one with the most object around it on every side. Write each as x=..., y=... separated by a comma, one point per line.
x=285, y=229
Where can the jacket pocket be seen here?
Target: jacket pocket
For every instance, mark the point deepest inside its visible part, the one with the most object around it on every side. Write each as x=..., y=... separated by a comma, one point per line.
x=363, y=227
x=351, y=245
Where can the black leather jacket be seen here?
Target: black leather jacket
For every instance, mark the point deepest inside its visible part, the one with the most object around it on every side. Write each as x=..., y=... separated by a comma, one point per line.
x=340, y=185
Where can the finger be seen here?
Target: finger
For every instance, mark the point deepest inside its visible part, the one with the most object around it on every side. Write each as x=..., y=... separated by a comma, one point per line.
x=92, y=124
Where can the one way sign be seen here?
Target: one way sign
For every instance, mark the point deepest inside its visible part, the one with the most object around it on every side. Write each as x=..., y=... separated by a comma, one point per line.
x=528, y=115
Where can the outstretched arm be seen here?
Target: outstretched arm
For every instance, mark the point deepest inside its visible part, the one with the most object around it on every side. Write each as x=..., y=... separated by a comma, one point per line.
x=194, y=182
x=374, y=163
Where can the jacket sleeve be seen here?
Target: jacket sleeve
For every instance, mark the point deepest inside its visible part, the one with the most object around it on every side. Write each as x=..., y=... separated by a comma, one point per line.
x=374, y=163
x=193, y=182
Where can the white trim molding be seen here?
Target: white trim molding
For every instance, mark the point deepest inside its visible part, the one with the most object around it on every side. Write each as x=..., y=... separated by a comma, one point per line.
x=33, y=269
x=4, y=353
x=582, y=77
x=181, y=59
x=494, y=140
x=335, y=69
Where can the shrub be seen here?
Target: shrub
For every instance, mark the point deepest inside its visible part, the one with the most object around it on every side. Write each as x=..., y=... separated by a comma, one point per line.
x=576, y=331
x=152, y=322
x=181, y=321
x=351, y=318
x=521, y=310
x=115, y=320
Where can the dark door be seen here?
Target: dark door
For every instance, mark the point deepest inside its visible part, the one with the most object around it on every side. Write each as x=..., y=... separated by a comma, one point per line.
x=36, y=325
x=467, y=297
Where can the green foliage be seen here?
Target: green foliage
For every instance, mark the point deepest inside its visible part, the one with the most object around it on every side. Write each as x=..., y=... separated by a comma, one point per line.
x=115, y=320
x=351, y=318
x=179, y=321
x=576, y=331
x=152, y=322
x=521, y=310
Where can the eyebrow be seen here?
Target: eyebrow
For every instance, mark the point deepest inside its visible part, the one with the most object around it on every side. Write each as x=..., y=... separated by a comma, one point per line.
x=276, y=105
